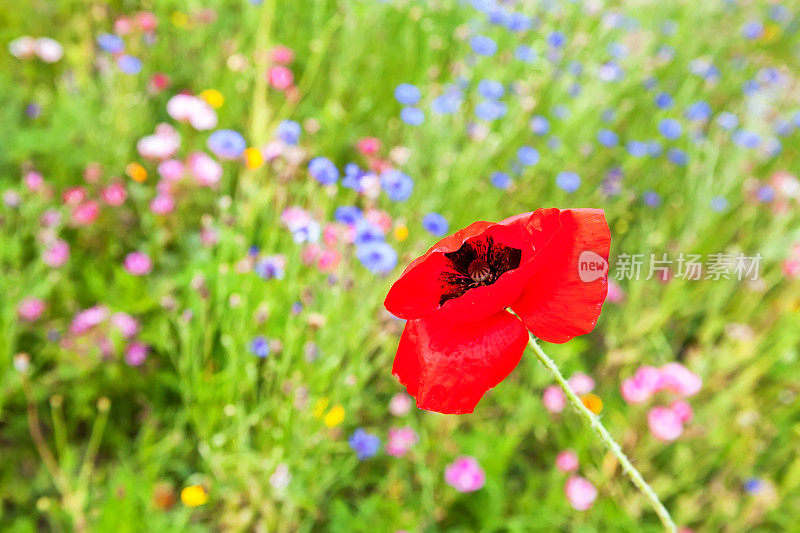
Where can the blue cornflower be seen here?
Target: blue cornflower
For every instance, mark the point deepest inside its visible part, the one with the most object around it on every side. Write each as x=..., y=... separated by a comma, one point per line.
x=497, y=15
x=727, y=120
x=610, y=71
x=765, y=193
x=501, y=180
x=519, y=22
x=554, y=143
x=782, y=127
x=670, y=128
x=664, y=100
x=412, y=116
x=436, y=224
x=398, y=185
x=288, y=131
x=698, y=111
x=407, y=94
x=108, y=42
x=483, y=45
x=352, y=177
x=539, y=125
x=652, y=198
x=525, y=53
x=607, y=138
x=490, y=110
x=129, y=64
x=323, y=170
x=574, y=90
x=491, y=89
x=367, y=233
x=270, y=267
x=447, y=103
x=556, y=39
x=568, y=181
x=678, y=156
x=308, y=232
x=364, y=444
x=259, y=346
x=377, y=257
x=650, y=83
x=347, y=214
x=747, y=139
x=528, y=155
x=753, y=30
x=226, y=144
x=752, y=485
x=719, y=203
x=637, y=148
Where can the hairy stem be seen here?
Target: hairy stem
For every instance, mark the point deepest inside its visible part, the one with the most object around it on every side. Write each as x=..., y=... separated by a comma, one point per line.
x=600, y=430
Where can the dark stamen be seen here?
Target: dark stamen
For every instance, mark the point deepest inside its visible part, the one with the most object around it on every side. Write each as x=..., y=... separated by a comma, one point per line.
x=474, y=264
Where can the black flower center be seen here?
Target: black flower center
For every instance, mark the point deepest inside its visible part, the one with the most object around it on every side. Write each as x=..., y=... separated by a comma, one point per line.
x=476, y=263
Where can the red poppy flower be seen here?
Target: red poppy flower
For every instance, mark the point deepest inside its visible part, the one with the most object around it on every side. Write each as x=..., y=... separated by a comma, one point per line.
x=459, y=340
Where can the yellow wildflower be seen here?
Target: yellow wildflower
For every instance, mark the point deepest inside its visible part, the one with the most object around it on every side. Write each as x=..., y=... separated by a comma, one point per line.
x=194, y=495
x=401, y=232
x=253, y=158
x=334, y=416
x=213, y=97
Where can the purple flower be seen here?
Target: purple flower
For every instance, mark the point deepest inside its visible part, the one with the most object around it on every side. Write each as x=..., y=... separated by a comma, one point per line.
x=129, y=64
x=348, y=214
x=226, y=144
x=110, y=43
x=490, y=110
x=323, y=170
x=397, y=184
x=377, y=257
x=491, y=89
x=482, y=45
x=288, y=131
x=407, y=94
x=136, y=353
x=528, y=155
x=607, y=138
x=364, y=444
x=259, y=346
x=670, y=128
x=699, y=111
x=539, y=125
x=568, y=181
x=525, y=53
x=465, y=474
x=412, y=116
x=652, y=198
x=501, y=180
x=436, y=224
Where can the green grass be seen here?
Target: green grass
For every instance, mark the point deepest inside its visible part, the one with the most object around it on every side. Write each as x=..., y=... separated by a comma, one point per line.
x=204, y=410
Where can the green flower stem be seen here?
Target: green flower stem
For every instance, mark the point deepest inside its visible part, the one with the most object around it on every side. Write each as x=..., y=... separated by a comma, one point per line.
x=600, y=430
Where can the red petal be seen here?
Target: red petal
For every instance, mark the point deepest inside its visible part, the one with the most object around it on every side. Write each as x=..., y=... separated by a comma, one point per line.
x=418, y=291
x=557, y=304
x=448, y=366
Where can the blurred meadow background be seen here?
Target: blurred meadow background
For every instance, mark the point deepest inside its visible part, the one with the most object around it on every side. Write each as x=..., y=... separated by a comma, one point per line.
x=205, y=202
